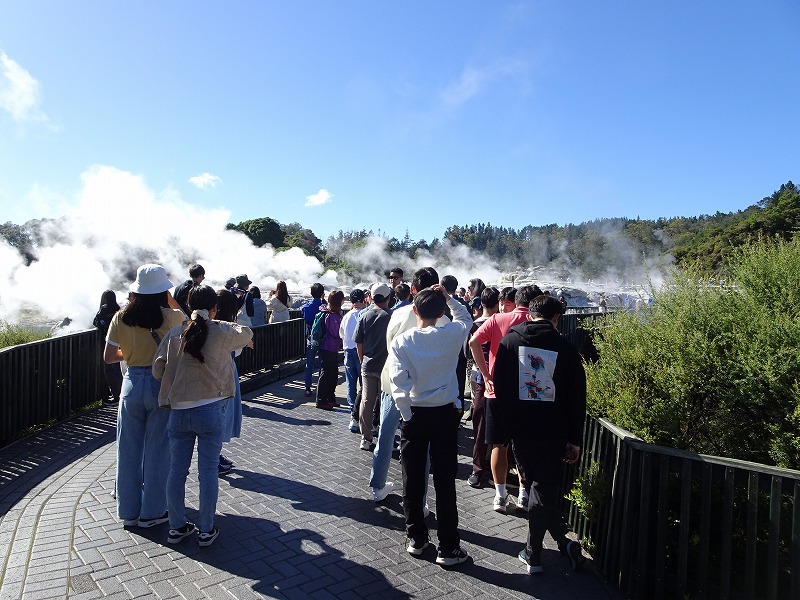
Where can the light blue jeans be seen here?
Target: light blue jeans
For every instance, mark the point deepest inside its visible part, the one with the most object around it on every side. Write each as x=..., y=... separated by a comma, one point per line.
x=142, y=447
x=352, y=371
x=205, y=424
x=382, y=455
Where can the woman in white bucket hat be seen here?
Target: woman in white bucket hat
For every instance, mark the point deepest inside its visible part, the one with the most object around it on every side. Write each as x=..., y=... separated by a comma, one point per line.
x=142, y=444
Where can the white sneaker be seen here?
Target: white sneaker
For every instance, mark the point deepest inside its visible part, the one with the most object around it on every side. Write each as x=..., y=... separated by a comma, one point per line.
x=353, y=426
x=379, y=494
x=522, y=503
x=366, y=444
x=500, y=504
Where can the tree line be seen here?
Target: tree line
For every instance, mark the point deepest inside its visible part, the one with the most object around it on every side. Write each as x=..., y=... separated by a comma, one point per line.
x=593, y=248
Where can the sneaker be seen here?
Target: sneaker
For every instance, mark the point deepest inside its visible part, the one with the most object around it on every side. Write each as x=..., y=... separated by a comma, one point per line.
x=130, y=522
x=353, y=425
x=153, y=522
x=573, y=552
x=522, y=503
x=224, y=469
x=415, y=547
x=453, y=557
x=225, y=461
x=425, y=511
x=206, y=538
x=474, y=481
x=534, y=563
x=308, y=393
x=366, y=444
x=500, y=504
x=176, y=535
x=379, y=494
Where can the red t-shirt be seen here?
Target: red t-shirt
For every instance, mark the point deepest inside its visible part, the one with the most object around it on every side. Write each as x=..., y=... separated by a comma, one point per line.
x=494, y=329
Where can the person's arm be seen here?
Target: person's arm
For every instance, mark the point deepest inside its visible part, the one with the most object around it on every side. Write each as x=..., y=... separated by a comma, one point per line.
x=401, y=382
x=475, y=342
x=112, y=354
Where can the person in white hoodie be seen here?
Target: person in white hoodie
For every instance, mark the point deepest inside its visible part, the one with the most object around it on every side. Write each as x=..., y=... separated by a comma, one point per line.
x=193, y=363
x=422, y=369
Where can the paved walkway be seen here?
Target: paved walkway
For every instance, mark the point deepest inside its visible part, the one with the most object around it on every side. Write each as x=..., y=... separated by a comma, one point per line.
x=295, y=516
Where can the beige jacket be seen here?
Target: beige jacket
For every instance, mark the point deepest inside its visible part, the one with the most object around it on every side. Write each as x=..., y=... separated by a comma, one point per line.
x=184, y=379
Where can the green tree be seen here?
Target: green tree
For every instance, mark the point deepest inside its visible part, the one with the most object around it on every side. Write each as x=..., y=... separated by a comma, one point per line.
x=261, y=231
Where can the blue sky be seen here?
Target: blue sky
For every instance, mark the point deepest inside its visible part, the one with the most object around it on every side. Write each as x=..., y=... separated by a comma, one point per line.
x=405, y=116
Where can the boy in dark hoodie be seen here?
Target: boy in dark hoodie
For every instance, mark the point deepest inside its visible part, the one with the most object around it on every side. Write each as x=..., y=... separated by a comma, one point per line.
x=540, y=380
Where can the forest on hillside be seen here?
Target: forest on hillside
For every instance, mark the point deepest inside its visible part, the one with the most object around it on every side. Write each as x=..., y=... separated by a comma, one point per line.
x=607, y=246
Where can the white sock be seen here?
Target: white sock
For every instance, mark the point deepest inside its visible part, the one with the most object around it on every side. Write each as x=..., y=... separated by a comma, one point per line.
x=500, y=490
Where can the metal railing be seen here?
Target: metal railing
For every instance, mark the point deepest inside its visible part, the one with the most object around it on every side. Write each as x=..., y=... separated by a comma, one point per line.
x=674, y=524
x=51, y=379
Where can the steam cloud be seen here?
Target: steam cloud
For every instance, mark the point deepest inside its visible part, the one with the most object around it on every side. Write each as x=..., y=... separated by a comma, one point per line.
x=117, y=223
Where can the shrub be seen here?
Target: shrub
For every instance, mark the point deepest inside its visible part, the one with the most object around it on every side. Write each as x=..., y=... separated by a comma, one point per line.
x=711, y=369
x=13, y=335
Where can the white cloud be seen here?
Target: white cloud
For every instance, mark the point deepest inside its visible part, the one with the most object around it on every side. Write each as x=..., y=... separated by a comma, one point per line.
x=321, y=197
x=19, y=91
x=205, y=181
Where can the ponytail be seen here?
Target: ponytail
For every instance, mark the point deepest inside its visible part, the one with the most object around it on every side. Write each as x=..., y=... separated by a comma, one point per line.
x=202, y=298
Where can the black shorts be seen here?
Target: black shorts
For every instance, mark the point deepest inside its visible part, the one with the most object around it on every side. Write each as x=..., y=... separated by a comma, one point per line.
x=495, y=423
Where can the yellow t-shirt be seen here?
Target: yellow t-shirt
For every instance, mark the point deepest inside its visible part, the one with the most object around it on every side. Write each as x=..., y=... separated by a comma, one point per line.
x=137, y=343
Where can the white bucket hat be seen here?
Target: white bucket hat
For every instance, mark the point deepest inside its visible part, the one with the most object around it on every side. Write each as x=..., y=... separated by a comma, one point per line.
x=151, y=279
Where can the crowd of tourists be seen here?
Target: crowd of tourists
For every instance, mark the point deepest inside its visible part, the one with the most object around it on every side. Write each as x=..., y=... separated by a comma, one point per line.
x=409, y=351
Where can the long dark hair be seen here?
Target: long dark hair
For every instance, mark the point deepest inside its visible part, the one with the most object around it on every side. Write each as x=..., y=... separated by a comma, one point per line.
x=282, y=292
x=109, y=300
x=202, y=297
x=227, y=306
x=144, y=310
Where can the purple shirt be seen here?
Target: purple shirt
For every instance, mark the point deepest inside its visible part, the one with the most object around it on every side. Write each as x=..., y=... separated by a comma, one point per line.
x=332, y=341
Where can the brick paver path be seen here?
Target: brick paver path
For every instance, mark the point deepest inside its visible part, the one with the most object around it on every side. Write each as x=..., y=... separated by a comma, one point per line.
x=296, y=520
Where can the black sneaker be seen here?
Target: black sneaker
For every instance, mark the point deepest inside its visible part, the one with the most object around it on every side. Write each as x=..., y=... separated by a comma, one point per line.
x=206, y=538
x=415, y=547
x=224, y=469
x=153, y=522
x=453, y=557
x=573, y=552
x=225, y=461
x=475, y=481
x=176, y=535
x=534, y=563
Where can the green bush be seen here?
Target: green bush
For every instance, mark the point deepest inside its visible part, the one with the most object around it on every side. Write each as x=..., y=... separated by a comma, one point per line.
x=13, y=335
x=711, y=369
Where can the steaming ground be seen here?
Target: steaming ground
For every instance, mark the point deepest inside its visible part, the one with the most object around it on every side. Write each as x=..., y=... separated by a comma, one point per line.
x=116, y=223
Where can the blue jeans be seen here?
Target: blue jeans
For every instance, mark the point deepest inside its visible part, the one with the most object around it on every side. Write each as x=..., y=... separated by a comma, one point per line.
x=205, y=424
x=311, y=363
x=142, y=447
x=233, y=411
x=382, y=455
x=352, y=371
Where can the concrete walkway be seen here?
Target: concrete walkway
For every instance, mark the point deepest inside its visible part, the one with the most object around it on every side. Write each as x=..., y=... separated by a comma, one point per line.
x=296, y=520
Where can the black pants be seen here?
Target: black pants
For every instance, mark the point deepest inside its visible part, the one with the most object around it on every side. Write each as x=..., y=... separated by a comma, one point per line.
x=435, y=428
x=113, y=375
x=326, y=386
x=542, y=463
